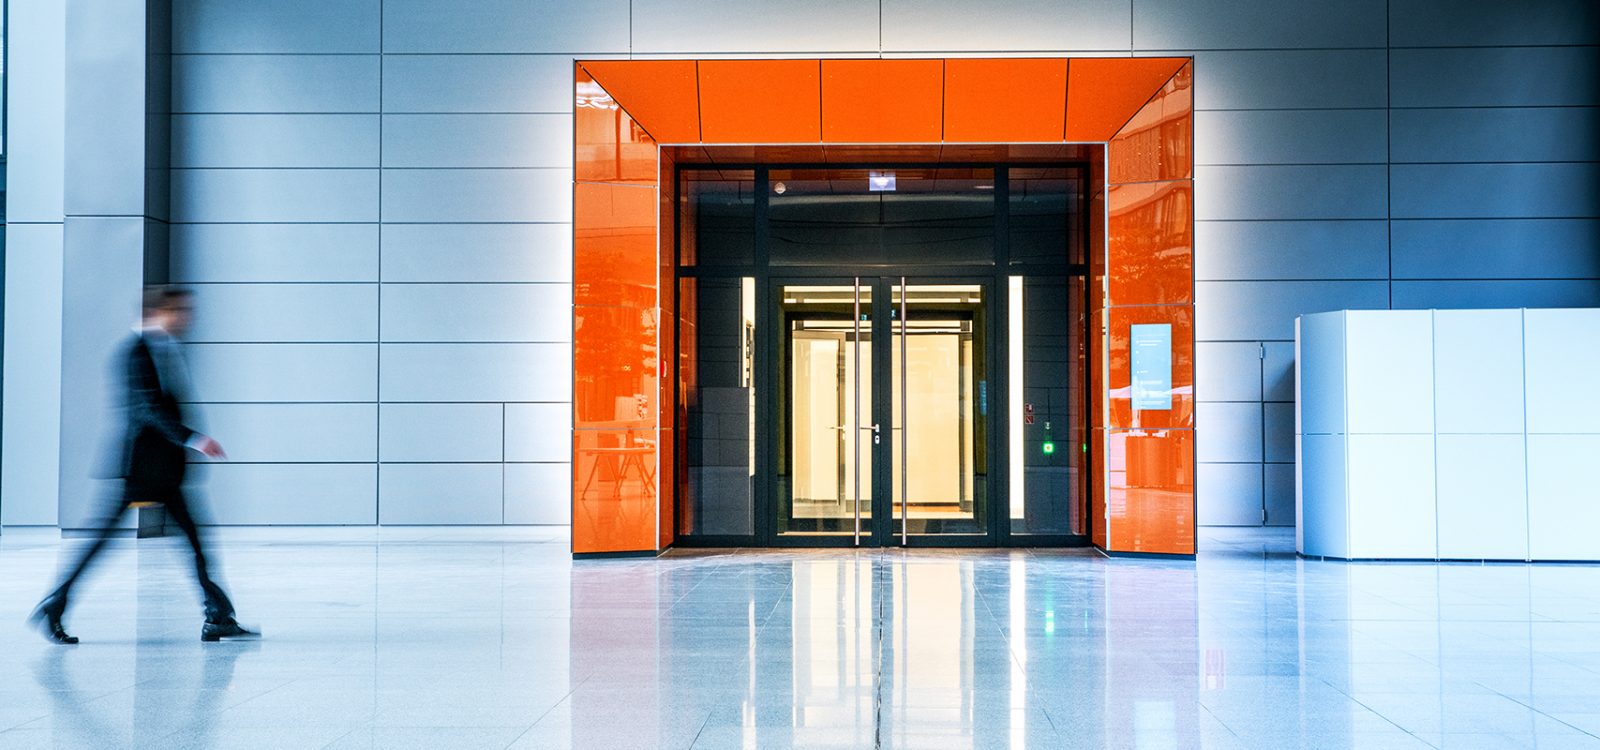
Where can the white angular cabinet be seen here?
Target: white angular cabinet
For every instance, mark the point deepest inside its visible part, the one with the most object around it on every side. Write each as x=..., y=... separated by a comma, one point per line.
x=1447, y=434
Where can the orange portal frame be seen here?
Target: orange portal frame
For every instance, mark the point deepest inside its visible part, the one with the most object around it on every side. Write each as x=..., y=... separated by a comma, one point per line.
x=625, y=473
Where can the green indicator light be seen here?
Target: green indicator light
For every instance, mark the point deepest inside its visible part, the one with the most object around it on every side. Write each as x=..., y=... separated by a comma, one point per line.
x=1049, y=446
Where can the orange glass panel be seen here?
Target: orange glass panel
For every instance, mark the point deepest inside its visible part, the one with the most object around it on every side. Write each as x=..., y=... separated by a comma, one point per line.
x=1103, y=93
x=616, y=370
x=662, y=95
x=882, y=101
x=614, y=490
x=608, y=146
x=1150, y=491
x=1119, y=375
x=760, y=101
x=997, y=101
x=613, y=245
x=1156, y=142
x=1150, y=256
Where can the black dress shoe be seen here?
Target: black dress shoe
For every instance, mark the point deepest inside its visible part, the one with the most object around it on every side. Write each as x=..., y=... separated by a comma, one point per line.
x=47, y=618
x=216, y=631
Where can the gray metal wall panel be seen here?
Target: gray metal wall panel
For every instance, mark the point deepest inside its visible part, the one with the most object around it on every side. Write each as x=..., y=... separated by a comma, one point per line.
x=278, y=26
x=258, y=140
x=31, y=432
x=1278, y=482
x=105, y=122
x=477, y=195
x=538, y=432
x=1455, y=23
x=428, y=494
x=1356, y=136
x=1265, y=310
x=711, y=26
x=1227, y=371
x=477, y=312
x=502, y=26
x=274, y=252
x=1290, y=250
x=275, y=83
x=293, y=433
x=1495, y=134
x=1495, y=294
x=477, y=252
x=477, y=140
x=1488, y=191
x=1495, y=77
x=476, y=372
x=275, y=195
x=442, y=432
x=272, y=494
x=1290, y=192
x=538, y=493
x=283, y=373
x=1277, y=434
x=1277, y=371
x=35, y=107
x=1223, y=24
x=1228, y=432
x=1496, y=249
x=1283, y=79
x=477, y=83
x=952, y=25
x=289, y=313
x=1228, y=494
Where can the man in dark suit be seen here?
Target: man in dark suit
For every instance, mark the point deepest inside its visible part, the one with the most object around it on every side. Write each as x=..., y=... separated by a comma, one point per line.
x=154, y=458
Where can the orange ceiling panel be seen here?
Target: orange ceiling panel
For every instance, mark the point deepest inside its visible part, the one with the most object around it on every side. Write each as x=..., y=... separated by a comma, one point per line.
x=1005, y=100
x=1102, y=93
x=760, y=101
x=662, y=95
x=882, y=101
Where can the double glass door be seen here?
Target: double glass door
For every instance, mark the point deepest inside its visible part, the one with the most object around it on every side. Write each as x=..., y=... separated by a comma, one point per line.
x=882, y=425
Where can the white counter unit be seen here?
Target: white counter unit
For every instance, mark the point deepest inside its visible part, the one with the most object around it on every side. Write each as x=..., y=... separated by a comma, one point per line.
x=1448, y=434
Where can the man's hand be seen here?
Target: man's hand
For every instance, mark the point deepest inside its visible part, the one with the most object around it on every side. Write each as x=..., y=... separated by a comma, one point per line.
x=211, y=448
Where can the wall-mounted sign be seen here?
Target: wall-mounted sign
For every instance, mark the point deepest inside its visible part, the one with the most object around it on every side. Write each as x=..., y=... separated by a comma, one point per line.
x=1151, y=348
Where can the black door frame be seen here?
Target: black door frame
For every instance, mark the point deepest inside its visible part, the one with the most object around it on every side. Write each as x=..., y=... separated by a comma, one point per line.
x=994, y=277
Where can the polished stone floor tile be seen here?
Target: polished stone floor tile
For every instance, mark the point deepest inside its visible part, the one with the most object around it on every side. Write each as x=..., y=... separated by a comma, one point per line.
x=495, y=638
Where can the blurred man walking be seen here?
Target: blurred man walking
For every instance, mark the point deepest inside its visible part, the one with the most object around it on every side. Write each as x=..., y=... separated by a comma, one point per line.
x=154, y=458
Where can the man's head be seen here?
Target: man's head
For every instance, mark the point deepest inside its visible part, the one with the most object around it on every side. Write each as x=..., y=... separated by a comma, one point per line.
x=169, y=307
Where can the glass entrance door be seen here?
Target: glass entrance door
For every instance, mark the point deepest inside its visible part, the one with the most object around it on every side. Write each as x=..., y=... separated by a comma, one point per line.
x=882, y=432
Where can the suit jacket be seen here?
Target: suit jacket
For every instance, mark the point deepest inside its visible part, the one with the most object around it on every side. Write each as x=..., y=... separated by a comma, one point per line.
x=154, y=452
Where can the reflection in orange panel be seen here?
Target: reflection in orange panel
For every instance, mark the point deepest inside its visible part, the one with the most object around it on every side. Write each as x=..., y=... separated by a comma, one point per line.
x=995, y=101
x=1150, y=491
x=615, y=366
x=614, y=490
x=760, y=101
x=661, y=94
x=1150, y=256
x=1156, y=142
x=608, y=146
x=880, y=154
x=1103, y=93
x=882, y=101
x=1119, y=364
x=1077, y=385
x=613, y=244
x=667, y=285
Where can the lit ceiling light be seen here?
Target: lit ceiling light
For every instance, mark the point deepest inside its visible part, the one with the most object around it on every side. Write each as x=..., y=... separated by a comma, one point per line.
x=880, y=182
x=780, y=188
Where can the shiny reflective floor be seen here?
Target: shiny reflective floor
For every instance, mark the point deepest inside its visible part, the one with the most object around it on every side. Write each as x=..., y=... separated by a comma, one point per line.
x=493, y=639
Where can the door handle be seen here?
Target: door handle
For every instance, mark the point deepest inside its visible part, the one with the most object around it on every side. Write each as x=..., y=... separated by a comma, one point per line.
x=875, y=436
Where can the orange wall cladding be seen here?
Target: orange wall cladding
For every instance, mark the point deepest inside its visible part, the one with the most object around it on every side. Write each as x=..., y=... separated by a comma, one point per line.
x=626, y=451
